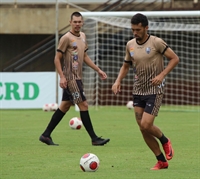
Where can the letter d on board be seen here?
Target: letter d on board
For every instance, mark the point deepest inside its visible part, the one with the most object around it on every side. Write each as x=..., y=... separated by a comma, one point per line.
x=35, y=89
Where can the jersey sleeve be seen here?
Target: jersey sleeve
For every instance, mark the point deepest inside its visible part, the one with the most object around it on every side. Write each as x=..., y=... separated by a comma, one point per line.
x=161, y=46
x=63, y=44
x=128, y=58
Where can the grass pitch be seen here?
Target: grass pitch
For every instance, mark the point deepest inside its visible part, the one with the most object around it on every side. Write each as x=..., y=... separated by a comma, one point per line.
x=126, y=156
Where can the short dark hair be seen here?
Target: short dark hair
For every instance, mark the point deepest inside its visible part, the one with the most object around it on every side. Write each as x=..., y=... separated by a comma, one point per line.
x=139, y=18
x=77, y=14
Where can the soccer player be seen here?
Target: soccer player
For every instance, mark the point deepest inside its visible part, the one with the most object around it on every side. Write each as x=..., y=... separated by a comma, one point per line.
x=145, y=54
x=72, y=48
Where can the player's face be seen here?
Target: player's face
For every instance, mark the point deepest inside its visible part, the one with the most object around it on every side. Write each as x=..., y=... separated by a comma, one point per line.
x=139, y=32
x=76, y=24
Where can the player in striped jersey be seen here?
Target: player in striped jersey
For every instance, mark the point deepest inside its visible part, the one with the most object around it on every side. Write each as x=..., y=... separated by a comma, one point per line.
x=145, y=54
x=72, y=48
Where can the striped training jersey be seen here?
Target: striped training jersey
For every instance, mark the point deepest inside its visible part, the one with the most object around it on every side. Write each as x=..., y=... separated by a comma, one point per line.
x=73, y=49
x=147, y=62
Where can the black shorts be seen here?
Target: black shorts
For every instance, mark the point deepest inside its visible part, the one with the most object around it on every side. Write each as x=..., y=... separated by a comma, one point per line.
x=74, y=92
x=150, y=103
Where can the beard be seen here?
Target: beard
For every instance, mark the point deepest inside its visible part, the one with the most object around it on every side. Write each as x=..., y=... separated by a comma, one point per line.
x=77, y=29
x=138, y=38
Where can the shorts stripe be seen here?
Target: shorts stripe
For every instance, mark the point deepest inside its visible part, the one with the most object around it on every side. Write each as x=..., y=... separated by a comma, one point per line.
x=157, y=104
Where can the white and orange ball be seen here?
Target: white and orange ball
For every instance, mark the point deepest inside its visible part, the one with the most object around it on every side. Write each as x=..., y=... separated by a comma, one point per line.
x=46, y=107
x=75, y=123
x=129, y=104
x=89, y=162
x=77, y=108
x=53, y=106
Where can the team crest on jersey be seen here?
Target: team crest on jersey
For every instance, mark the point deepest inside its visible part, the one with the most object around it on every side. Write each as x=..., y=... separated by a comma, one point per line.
x=75, y=65
x=148, y=50
x=74, y=45
x=75, y=55
x=131, y=52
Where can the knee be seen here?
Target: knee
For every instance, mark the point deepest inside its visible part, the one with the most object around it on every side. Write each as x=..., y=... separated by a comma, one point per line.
x=64, y=108
x=83, y=106
x=144, y=127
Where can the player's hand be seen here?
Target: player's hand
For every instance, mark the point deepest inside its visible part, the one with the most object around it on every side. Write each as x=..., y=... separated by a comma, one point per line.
x=157, y=80
x=116, y=88
x=102, y=74
x=63, y=82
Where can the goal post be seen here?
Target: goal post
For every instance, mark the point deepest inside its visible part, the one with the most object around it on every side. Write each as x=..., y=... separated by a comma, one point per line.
x=147, y=13
x=107, y=34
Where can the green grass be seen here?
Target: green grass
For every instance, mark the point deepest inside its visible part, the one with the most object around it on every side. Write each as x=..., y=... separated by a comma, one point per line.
x=126, y=156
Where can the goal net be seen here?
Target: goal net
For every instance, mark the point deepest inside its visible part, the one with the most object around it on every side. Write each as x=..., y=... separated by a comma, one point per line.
x=107, y=35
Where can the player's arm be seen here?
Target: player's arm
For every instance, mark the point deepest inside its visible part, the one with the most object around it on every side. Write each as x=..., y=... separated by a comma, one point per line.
x=91, y=64
x=122, y=73
x=57, y=62
x=173, y=61
x=165, y=50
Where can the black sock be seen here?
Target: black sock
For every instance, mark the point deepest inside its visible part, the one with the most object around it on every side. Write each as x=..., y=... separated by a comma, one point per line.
x=161, y=158
x=163, y=139
x=85, y=117
x=55, y=119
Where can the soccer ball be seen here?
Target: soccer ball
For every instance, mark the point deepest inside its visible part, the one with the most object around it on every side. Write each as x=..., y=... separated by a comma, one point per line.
x=76, y=108
x=129, y=105
x=53, y=106
x=89, y=162
x=75, y=123
x=46, y=107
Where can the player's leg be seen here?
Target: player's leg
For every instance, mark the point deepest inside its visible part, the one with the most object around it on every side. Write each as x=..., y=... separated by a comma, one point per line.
x=145, y=122
x=76, y=89
x=153, y=103
x=56, y=118
x=85, y=117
